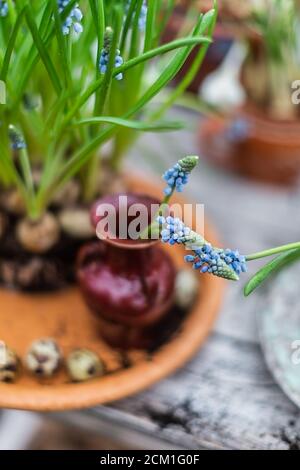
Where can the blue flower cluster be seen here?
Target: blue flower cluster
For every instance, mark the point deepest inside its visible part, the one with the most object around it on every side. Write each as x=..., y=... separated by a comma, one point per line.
x=73, y=20
x=3, y=8
x=173, y=230
x=222, y=263
x=234, y=260
x=18, y=143
x=16, y=138
x=176, y=177
x=227, y=264
x=103, y=62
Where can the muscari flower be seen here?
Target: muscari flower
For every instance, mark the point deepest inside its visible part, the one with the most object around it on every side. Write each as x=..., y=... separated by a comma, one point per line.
x=74, y=18
x=104, y=57
x=173, y=230
x=227, y=264
x=16, y=139
x=3, y=8
x=103, y=62
x=221, y=263
x=233, y=259
x=177, y=176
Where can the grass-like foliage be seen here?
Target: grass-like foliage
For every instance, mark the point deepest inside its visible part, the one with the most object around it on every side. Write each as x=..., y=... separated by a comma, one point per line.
x=78, y=74
x=275, y=20
x=277, y=23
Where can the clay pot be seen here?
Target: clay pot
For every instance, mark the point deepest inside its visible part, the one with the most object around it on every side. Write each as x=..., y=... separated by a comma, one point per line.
x=64, y=316
x=253, y=145
x=128, y=284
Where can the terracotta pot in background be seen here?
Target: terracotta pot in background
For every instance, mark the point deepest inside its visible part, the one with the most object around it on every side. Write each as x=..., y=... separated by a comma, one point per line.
x=128, y=284
x=253, y=145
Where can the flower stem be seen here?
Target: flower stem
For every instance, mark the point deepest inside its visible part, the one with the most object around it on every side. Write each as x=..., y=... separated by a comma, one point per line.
x=153, y=227
x=273, y=251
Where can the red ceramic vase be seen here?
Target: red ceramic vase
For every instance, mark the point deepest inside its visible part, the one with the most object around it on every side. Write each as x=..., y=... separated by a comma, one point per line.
x=127, y=283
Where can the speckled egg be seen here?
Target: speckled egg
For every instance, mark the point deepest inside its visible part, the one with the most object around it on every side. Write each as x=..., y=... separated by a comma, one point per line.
x=83, y=365
x=9, y=365
x=43, y=357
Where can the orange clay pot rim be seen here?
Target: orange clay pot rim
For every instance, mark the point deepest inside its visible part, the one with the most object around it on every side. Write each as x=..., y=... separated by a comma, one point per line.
x=263, y=118
x=120, y=384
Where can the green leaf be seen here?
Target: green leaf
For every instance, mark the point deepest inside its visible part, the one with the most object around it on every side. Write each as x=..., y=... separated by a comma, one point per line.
x=62, y=44
x=178, y=43
x=127, y=23
x=42, y=50
x=98, y=12
x=23, y=159
x=135, y=34
x=46, y=29
x=208, y=19
x=97, y=8
x=108, y=76
x=208, y=22
x=79, y=158
x=161, y=126
x=163, y=20
x=150, y=24
x=273, y=266
x=168, y=74
x=27, y=55
x=11, y=45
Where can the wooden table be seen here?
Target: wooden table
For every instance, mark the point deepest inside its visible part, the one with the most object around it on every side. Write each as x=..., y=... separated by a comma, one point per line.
x=225, y=398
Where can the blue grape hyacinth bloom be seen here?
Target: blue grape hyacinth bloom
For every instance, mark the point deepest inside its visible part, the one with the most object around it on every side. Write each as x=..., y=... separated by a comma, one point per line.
x=174, y=230
x=227, y=263
x=233, y=259
x=219, y=262
x=16, y=138
x=3, y=8
x=103, y=62
x=105, y=54
x=177, y=176
x=73, y=20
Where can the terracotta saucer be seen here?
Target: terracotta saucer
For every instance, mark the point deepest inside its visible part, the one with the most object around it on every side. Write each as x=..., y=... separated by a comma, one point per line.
x=65, y=317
